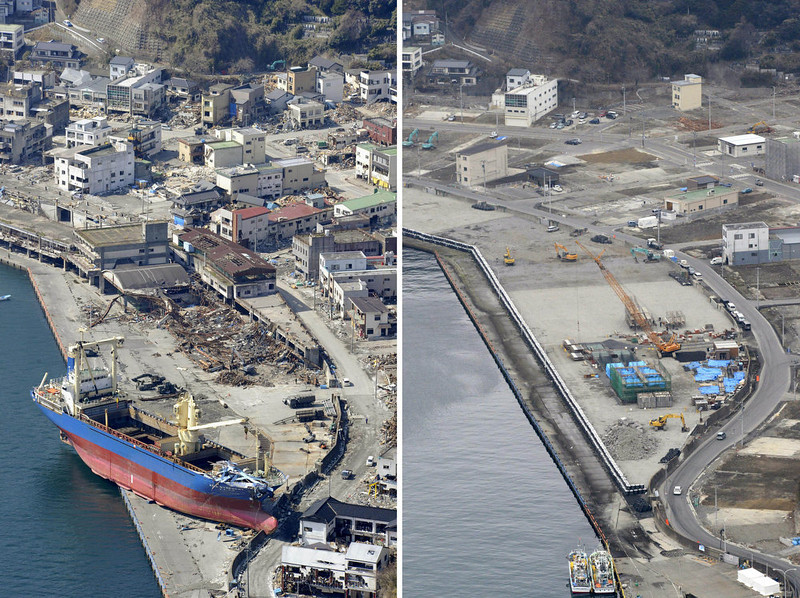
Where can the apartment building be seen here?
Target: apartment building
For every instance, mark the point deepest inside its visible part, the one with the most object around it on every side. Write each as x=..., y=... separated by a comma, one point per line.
x=95, y=170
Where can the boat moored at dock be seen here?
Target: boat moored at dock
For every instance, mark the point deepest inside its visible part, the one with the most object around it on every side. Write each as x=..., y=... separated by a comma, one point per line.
x=602, y=569
x=171, y=464
x=579, y=579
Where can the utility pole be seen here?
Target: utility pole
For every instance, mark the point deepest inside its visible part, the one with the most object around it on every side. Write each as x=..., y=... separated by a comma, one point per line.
x=623, y=101
x=758, y=285
x=709, y=112
x=773, y=102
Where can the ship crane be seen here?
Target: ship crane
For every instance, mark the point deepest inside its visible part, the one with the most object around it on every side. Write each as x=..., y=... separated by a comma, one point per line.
x=77, y=357
x=665, y=347
x=188, y=414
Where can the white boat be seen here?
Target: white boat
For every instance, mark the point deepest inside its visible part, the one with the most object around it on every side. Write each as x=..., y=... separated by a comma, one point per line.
x=5, y=297
x=602, y=568
x=579, y=579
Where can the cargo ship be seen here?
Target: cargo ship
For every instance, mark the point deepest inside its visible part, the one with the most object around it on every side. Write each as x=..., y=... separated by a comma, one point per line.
x=171, y=464
x=579, y=580
x=602, y=567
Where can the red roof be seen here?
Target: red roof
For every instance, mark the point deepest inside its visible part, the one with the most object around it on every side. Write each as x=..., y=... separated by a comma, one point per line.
x=293, y=211
x=246, y=213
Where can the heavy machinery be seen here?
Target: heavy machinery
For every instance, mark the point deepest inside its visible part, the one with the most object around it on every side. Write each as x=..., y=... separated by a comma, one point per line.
x=660, y=423
x=760, y=128
x=274, y=65
x=564, y=255
x=645, y=254
x=412, y=138
x=665, y=347
x=429, y=144
x=509, y=261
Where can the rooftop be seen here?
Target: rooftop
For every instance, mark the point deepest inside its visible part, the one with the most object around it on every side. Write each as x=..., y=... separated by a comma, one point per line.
x=369, y=304
x=374, y=199
x=480, y=147
x=112, y=235
x=8, y=28
x=380, y=121
x=230, y=258
x=327, y=509
x=517, y=73
x=699, y=194
x=743, y=139
x=787, y=235
x=744, y=225
x=293, y=211
x=151, y=277
x=223, y=144
x=245, y=213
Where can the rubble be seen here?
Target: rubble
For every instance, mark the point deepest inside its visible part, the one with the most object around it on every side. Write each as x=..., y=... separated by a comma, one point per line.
x=629, y=440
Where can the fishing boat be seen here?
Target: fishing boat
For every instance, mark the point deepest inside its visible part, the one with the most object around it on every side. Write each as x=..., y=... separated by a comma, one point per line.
x=171, y=464
x=5, y=297
x=602, y=568
x=579, y=578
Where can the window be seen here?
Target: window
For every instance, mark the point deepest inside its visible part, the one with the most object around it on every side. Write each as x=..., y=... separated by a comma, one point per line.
x=751, y=235
x=738, y=237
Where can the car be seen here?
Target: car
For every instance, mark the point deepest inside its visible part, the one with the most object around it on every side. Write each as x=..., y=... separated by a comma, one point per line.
x=716, y=261
x=557, y=188
x=698, y=275
x=746, y=190
x=166, y=127
x=560, y=126
x=691, y=271
x=611, y=116
x=594, y=121
x=552, y=228
x=759, y=183
x=633, y=223
x=601, y=239
x=347, y=474
x=102, y=40
x=602, y=113
x=346, y=382
x=581, y=121
x=683, y=264
x=493, y=134
x=582, y=115
x=569, y=122
x=370, y=461
x=575, y=141
x=67, y=22
x=677, y=490
x=451, y=118
x=725, y=185
x=553, y=125
x=721, y=435
x=301, y=149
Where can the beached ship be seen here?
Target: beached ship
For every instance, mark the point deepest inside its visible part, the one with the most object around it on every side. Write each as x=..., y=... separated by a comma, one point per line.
x=169, y=463
x=579, y=578
x=602, y=567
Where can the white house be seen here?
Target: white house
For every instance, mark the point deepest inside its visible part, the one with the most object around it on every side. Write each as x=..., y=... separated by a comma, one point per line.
x=742, y=146
x=745, y=243
x=88, y=131
x=100, y=169
x=528, y=103
x=375, y=85
x=331, y=85
x=516, y=78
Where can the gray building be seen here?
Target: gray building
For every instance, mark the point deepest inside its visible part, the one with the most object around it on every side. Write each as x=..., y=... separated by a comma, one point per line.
x=20, y=140
x=783, y=158
x=56, y=55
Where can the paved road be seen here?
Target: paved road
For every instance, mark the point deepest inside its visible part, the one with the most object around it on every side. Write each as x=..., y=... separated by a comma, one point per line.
x=770, y=392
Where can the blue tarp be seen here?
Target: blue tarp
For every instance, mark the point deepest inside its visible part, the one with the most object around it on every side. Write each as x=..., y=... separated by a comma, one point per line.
x=707, y=374
x=718, y=363
x=709, y=390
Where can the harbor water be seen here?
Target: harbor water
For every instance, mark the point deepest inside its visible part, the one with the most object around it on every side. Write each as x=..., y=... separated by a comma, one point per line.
x=66, y=531
x=485, y=511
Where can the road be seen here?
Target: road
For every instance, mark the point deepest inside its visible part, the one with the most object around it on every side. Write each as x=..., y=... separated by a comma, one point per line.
x=770, y=391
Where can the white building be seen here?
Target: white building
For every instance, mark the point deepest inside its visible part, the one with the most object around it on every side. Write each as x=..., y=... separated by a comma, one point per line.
x=119, y=66
x=88, y=131
x=411, y=59
x=311, y=570
x=12, y=39
x=742, y=146
x=517, y=78
x=745, y=243
x=245, y=226
x=252, y=140
x=331, y=85
x=95, y=170
x=528, y=103
x=375, y=85
x=306, y=113
x=379, y=207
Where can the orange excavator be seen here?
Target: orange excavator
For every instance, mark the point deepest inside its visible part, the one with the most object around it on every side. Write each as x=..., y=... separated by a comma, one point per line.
x=564, y=255
x=665, y=347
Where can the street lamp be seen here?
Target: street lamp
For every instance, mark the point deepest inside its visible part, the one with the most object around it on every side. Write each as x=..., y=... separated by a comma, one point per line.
x=784, y=578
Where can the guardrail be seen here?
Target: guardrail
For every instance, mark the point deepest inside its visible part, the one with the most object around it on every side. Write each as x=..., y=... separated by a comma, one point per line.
x=583, y=422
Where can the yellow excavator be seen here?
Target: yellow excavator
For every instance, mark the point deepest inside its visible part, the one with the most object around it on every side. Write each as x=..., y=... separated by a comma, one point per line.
x=509, y=261
x=564, y=255
x=660, y=423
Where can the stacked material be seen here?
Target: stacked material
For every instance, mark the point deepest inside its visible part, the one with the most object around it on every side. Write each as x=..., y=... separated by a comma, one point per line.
x=766, y=586
x=628, y=440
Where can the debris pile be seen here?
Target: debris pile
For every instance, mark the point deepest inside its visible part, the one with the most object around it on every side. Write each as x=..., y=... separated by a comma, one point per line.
x=628, y=441
x=697, y=124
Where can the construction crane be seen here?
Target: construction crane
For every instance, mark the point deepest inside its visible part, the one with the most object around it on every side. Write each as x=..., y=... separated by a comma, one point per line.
x=413, y=136
x=429, y=144
x=665, y=347
x=509, y=261
x=563, y=253
x=660, y=423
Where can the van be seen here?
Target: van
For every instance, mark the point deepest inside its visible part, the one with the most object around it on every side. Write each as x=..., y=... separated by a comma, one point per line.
x=721, y=435
x=370, y=461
